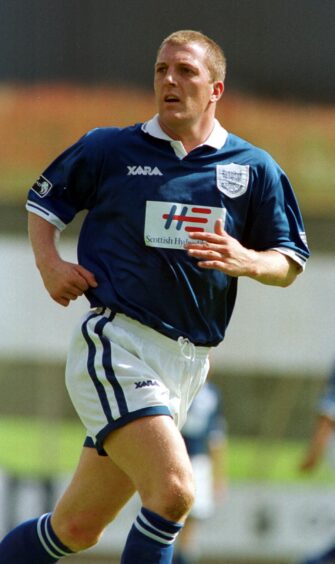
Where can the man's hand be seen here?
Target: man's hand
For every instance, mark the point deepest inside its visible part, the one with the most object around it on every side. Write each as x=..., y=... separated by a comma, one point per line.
x=222, y=252
x=66, y=281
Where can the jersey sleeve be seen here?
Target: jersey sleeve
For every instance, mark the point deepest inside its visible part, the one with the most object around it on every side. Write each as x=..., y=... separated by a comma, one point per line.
x=275, y=221
x=68, y=185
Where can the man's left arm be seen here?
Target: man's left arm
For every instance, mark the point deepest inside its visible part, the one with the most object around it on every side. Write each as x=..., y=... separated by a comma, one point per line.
x=220, y=251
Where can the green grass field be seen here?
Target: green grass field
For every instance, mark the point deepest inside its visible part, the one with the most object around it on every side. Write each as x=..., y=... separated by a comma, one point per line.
x=29, y=447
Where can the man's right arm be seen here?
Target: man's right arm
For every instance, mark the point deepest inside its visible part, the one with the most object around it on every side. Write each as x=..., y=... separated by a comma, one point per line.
x=64, y=281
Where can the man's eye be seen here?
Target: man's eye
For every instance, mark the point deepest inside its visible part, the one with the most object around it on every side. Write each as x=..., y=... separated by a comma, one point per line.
x=187, y=70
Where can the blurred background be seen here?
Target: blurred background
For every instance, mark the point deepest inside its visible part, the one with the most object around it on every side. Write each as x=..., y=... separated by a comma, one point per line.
x=71, y=65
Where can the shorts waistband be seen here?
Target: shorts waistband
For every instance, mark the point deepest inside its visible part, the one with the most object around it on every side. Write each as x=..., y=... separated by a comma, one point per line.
x=182, y=345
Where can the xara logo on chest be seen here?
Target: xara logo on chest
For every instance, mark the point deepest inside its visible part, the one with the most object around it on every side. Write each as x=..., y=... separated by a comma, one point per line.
x=143, y=171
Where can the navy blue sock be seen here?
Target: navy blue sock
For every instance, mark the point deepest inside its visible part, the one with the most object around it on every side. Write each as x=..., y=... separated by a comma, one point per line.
x=150, y=540
x=32, y=542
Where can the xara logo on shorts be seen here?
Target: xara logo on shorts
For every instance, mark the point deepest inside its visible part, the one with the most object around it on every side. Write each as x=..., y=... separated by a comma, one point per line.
x=145, y=384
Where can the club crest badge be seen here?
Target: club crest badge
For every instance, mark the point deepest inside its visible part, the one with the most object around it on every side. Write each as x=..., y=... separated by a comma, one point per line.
x=232, y=179
x=42, y=186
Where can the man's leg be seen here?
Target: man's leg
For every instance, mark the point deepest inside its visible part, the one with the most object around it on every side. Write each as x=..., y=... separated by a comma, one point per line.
x=96, y=493
x=152, y=453
x=147, y=454
x=32, y=542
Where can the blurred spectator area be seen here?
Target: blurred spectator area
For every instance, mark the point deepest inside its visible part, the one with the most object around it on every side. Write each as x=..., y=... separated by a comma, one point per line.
x=40, y=120
x=66, y=67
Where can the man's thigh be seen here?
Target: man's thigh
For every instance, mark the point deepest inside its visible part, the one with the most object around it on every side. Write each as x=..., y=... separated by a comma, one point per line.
x=152, y=452
x=96, y=493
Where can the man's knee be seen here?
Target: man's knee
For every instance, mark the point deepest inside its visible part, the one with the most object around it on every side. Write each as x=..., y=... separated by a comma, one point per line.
x=78, y=532
x=174, y=500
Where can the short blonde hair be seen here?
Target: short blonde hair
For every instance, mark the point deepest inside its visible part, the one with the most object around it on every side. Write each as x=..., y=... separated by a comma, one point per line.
x=216, y=60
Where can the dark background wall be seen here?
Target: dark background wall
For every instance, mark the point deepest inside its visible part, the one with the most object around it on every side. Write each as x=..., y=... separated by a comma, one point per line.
x=283, y=48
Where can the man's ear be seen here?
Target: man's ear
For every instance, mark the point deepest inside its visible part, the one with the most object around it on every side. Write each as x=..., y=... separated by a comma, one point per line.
x=218, y=89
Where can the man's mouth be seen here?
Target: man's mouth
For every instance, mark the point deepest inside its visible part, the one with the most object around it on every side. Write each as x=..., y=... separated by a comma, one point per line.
x=171, y=99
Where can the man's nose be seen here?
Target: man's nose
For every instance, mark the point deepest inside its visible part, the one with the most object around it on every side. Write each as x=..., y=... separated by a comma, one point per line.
x=170, y=77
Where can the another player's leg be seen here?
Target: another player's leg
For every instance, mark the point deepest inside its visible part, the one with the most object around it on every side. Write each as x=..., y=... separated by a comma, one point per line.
x=185, y=551
x=327, y=557
x=188, y=550
x=152, y=453
x=96, y=493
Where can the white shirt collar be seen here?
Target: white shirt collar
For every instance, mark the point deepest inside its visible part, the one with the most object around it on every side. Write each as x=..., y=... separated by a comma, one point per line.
x=216, y=139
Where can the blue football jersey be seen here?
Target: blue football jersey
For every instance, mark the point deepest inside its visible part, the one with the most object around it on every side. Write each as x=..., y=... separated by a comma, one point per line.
x=143, y=198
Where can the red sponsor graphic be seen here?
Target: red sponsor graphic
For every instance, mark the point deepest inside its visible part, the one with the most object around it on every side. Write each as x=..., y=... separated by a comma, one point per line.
x=183, y=218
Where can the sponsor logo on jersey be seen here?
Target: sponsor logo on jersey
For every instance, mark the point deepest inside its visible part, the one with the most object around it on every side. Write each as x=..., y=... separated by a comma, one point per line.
x=232, y=179
x=167, y=224
x=42, y=186
x=143, y=171
x=146, y=384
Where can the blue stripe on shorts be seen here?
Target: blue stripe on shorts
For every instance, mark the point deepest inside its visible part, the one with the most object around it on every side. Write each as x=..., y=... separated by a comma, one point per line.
x=108, y=367
x=91, y=368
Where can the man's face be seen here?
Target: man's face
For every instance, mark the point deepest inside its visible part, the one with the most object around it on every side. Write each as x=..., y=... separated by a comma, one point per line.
x=183, y=86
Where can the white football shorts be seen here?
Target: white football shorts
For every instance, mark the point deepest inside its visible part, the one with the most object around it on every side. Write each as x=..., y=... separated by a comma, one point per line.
x=119, y=370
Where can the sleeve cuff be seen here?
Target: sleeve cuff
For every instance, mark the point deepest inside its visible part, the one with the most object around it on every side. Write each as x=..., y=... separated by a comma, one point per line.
x=45, y=214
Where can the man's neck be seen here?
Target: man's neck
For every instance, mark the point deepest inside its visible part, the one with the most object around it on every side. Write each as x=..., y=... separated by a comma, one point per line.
x=189, y=136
